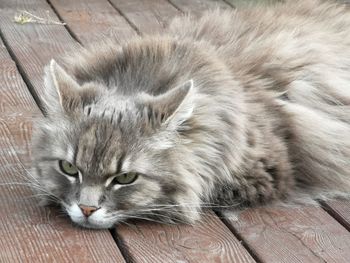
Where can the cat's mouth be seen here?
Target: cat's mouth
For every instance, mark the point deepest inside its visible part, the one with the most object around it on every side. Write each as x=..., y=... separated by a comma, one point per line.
x=98, y=220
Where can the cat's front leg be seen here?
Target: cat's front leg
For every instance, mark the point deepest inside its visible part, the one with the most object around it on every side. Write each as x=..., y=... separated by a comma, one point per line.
x=265, y=182
x=262, y=184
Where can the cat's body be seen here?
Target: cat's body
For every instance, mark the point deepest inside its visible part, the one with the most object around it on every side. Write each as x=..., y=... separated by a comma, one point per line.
x=238, y=108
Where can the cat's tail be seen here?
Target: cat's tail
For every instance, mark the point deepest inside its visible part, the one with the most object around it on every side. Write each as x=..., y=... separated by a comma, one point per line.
x=321, y=143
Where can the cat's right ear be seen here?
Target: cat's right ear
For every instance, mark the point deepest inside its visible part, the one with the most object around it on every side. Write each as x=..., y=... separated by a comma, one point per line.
x=61, y=90
x=173, y=107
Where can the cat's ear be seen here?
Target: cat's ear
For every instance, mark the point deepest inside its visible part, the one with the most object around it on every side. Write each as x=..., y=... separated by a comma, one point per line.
x=175, y=106
x=61, y=90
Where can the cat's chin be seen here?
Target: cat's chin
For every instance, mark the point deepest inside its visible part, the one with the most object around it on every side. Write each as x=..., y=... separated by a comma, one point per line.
x=87, y=224
x=93, y=223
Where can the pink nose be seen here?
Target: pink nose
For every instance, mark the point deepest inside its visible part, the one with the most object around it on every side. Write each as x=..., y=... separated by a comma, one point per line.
x=88, y=210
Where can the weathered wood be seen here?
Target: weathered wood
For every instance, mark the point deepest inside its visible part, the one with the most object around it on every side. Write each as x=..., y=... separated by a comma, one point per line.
x=199, y=6
x=16, y=103
x=149, y=16
x=14, y=98
x=306, y=234
x=33, y=44
x=206, y=241
x=92, y=20
x=340, y=210
x=30, y=233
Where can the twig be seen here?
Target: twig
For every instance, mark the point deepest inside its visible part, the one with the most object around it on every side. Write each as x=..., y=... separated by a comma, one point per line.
x=24, y=17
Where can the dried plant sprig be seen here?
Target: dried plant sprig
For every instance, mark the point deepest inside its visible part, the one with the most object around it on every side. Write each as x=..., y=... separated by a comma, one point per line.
x=24, y=17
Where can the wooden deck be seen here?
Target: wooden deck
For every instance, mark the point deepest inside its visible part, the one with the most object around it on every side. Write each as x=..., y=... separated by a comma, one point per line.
x=29, y=233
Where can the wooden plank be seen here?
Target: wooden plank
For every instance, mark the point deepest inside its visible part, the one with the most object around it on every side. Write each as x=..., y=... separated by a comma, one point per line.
x=30, y=233
x=92, y=20
x=33, y=44
x=213, y=240
x=306, y=234
x=199, y=6
x=206, y=241
x=340, y=210
x=148, y=16
x=16, y=103
x=14, y=99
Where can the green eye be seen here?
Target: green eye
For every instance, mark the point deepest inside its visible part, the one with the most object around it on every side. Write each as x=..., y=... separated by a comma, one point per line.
x=68, y=168
x=126, y=178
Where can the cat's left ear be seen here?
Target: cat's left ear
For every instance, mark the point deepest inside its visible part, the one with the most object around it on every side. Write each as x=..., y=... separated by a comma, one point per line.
x=175, y=106
x=61, y=90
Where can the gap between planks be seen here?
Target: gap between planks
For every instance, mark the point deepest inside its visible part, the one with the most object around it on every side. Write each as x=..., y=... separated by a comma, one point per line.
x=22, y=73
x=339, y=210
x=61, y=20
x=132, y=25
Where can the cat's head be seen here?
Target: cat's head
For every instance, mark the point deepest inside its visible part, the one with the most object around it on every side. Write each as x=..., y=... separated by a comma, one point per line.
x=106, y=158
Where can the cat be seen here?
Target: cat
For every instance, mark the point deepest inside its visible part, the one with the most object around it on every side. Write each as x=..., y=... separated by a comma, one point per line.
x=233, y=109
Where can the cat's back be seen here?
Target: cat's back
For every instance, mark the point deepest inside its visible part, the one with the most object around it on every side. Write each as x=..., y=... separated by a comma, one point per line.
x=279, y=34
x=272, y=44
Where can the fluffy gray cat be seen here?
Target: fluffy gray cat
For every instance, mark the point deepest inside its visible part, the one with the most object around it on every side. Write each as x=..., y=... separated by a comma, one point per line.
x=235, y=109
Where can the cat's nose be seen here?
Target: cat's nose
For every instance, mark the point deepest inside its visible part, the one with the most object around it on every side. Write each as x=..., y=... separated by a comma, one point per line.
x=88, y=210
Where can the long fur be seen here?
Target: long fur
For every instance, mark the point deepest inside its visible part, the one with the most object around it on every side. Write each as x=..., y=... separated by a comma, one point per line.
x=234, y=109
x=299, y=50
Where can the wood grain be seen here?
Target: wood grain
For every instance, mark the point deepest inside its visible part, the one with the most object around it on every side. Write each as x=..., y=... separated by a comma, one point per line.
x=306, y=234
x=206, y=241
x=148, y=16
x=92, y=20
x=339, y=209
x=28, y=232
x=33, y=45
x=14, y=99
